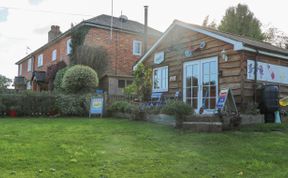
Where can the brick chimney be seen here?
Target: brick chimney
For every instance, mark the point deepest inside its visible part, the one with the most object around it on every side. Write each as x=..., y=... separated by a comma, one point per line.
x=54, y=32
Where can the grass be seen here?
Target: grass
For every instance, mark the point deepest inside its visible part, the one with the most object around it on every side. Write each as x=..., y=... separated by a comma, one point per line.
x=121, y=148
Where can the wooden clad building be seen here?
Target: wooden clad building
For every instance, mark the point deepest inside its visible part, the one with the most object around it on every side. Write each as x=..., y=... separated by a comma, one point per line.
x=197, y=62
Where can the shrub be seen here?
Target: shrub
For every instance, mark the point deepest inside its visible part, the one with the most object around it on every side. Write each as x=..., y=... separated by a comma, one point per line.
x=58, y=80
x=73, y=105
x=143, y=81
x=51, y=73
x=80, y=79
x=121, y=106
x=130, y=89
x=30, y=103
x=178, y=108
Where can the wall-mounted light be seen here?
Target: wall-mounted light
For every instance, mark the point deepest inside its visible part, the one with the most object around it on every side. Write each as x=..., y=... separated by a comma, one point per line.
x=224, y=55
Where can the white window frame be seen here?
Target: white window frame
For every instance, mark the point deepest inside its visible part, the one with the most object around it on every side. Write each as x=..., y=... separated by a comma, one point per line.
x=54, y=55
x=137, y=53
x=166, y=87
x=40, y=60
x=68, y=46
x=29, y=65
x=20, y=69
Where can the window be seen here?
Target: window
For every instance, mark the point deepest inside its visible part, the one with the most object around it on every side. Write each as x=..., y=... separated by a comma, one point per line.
x=124, y=83
x=20, y=69
x=69, y=46
x=121, y=83
x=40, y=60
x=29, y=65
x=137, y=47
x=54, y=55
x=160, y=79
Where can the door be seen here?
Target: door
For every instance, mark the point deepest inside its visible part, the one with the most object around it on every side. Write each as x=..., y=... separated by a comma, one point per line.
x=200, y=84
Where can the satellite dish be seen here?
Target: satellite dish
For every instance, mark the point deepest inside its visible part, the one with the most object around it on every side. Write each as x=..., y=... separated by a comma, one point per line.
x=123, y=18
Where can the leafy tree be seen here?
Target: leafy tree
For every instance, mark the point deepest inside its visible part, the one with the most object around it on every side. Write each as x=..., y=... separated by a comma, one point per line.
x=277, y=37
x=79, y=79
x=94, y=57
x=206, y=23
x=240, y=20
x=4, y=82
x=143, y=81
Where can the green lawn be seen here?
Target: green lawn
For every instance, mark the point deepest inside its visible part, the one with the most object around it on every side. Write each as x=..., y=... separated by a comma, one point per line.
x=121, y=148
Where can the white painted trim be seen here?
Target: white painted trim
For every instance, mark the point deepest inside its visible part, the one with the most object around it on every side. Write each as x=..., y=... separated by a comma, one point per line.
x=160, y=90
x=238, y=46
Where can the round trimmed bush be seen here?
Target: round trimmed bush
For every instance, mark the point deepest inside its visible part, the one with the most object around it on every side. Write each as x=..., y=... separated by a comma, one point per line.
x=80, y=79
x=59, y=78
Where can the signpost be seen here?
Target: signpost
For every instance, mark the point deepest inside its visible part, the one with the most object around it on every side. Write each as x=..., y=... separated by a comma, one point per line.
x=226, y=101
x=96, y=106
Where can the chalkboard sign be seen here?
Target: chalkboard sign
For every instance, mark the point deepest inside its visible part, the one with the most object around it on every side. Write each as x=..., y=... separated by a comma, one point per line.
x=226, y=101
x=96, y=106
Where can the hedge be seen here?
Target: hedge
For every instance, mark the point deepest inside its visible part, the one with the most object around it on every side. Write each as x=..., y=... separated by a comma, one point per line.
x=44, y=104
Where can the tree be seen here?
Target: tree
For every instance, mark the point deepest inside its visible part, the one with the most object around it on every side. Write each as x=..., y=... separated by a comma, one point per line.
x=94, y=57
x=277, y=37
x=240, y=20
x=58, y=80
x=79, y=79
x=4, y=82
x=143, y=81
x=206, y=23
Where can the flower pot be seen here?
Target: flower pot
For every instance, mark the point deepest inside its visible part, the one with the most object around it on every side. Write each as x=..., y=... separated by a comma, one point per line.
x=12, y=113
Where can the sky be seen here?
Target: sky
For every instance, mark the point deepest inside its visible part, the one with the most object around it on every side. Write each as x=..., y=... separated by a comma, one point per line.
x=25, y=23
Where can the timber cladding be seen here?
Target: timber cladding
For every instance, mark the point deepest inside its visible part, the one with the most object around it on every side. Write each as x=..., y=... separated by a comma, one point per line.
x=231, y=73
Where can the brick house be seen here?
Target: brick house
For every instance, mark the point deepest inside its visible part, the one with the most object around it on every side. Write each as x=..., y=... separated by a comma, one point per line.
x=124, y=45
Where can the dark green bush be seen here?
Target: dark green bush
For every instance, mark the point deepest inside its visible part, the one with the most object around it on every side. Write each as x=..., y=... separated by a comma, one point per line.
x=177, y=108
x=122, y=106
x=73, y=105
x=80, y=79
x=29, y=103
x=58, y=80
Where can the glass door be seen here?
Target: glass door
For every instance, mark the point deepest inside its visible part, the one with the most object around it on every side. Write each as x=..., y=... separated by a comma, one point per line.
x=191, y=86
x=200, y=84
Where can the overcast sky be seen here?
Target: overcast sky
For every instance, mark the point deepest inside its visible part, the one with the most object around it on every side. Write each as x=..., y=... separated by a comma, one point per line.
x=26, y=22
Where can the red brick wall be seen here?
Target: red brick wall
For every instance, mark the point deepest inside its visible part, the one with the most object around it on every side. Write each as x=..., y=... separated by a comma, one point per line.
x=60, y=46
x=120, y=49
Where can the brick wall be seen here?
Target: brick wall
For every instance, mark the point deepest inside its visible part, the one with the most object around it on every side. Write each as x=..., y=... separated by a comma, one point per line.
x=120, y=48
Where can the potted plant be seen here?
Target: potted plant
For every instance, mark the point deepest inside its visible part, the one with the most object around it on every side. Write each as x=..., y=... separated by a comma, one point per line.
x=12, y=111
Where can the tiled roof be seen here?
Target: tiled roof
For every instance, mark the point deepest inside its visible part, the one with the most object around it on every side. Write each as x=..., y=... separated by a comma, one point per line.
x=127, y=25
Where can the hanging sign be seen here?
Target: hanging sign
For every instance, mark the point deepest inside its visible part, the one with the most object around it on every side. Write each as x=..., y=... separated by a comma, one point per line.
x=267, y=72
x=226, y=101
x=159, y=57
x=96, y=106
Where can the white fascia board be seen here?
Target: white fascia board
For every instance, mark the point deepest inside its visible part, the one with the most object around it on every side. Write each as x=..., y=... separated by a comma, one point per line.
x=153, y=47
x=265, y=53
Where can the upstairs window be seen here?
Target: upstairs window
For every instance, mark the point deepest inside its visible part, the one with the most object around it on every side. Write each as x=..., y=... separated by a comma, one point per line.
x=40, y=60
x=29, y=65
x=160, y=79
x=69, y=46
x=137, y=48
x=54, y=55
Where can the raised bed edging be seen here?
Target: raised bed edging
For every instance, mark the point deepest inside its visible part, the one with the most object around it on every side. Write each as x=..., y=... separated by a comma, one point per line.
x=247, y=119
